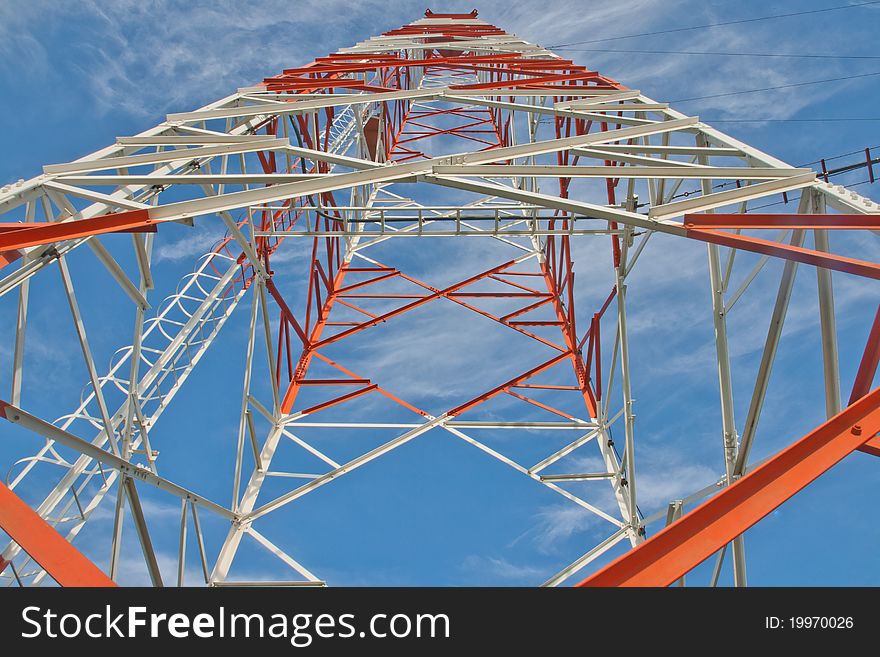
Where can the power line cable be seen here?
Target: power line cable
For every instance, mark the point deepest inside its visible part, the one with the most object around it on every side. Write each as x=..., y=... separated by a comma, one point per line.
x=842, y=155
x=781, y=86
x=817, y=120
x=832, y=172
x=722, y=23
x=723, y=54
x=770, y=205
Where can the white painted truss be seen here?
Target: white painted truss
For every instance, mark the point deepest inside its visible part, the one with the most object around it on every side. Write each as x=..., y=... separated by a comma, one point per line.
x=277, y=164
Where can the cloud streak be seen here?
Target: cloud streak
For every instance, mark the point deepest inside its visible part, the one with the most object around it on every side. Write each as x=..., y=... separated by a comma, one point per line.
x=166, y=55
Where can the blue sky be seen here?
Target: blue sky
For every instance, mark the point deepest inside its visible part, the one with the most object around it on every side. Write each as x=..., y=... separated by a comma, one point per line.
x=437, y=511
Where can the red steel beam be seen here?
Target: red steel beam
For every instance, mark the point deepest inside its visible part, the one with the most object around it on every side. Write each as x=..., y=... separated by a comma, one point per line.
x=504, y=387
x=395, y=62
x=46, y=233
x=870, y=359
x=500, y=84
x=799, y=254
x=872, y=446
x=804, y=221
x=47, y=547
x=6, y=227
x=339, y=400
x=693, y=538
x=865, y=375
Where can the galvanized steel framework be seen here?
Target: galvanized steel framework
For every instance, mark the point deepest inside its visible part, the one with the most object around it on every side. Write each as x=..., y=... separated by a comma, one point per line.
x=333, y=153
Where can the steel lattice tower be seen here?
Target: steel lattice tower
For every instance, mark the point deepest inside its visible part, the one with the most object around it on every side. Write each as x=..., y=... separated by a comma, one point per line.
x=345, y=159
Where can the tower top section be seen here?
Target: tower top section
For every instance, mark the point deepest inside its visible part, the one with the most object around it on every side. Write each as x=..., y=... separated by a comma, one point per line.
x=431, y=14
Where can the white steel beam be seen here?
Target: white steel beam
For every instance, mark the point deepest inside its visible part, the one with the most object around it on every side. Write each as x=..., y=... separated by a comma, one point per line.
x=130, y=470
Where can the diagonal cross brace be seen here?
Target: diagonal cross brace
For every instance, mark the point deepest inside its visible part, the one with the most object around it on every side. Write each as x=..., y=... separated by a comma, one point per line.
x=693, y=538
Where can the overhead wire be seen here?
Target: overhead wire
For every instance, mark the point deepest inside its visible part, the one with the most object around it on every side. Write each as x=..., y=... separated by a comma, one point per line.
x=829, y=173
x=799, y=120
x=719, y=24
x=777, y=87
x=770, y=205
x=723, y=54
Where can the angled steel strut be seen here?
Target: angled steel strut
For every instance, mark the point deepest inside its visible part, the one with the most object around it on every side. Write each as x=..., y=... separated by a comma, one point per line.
x=676, y=549
x=64, y=563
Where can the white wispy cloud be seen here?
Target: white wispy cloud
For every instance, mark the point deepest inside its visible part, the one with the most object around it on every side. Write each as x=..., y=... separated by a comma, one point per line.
x=144, y=58
x=665, y=472
x=150, y=57
x=499, y=568
x=196, y=242
x=556, y=523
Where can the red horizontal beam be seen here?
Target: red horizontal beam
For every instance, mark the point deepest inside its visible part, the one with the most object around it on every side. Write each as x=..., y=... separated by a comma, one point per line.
x=871, y=447
x=46, y=233
x=348, y=67
x=341, y=57
x=7, y=227
x=799, y=254
x=693, y=538
x=572, y=77
x=537, y=322
x=445, y=30
x=500, y=295
x=323, y=83
x=47, y=547
x=334, y=382
x=805, y=221
x=564, y=89
x=338, y=400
